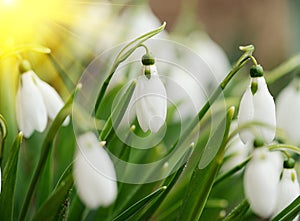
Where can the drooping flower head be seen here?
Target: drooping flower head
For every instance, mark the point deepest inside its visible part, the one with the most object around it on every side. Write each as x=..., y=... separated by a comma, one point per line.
x=94, y=173
x=150, y=97
x=257, y=105
x=288, y=187
x=261, y=181
x=35, y=102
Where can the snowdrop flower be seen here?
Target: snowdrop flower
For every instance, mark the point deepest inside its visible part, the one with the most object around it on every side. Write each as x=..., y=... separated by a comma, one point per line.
x=287, y=110
x=257, y=104
x=261, y=182
x=94, y=173
x=35, y=102
x=150, y=97
x=288, y=188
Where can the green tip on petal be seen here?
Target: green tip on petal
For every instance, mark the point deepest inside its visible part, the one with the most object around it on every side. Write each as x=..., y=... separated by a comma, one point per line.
x=147, y=73
x=148, y=59
x=289, y=163
x=24, y=66
x=254, y=87
x=256, y=71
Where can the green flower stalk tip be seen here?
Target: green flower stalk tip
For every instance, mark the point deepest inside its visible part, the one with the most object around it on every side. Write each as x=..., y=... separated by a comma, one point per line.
x=247, y=48
x=256, y=71
x=289, y=163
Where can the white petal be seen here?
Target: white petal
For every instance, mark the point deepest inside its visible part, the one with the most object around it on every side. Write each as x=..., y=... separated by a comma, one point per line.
x=245, y=115
x=150, y=103
x=30, y=107
x=94, y=173
x=264, y=111
x=261, y=183
x=51, y=98
x=288, y=189
x=287, y=111
x=236, y=153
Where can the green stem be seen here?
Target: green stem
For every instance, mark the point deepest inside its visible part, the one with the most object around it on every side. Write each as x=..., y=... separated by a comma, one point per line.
x=248, y=50
x=47, y=144
x=231, y=171
x=123, y=54
x=284, y=147
x=238, y=212
x=283, y=69
x=290, y=212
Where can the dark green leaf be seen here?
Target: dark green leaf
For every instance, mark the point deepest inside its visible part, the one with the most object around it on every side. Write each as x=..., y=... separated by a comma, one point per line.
x=203, y=176
x=238, y=212
x=290, y=212
x=57, y=203
x=128, y=213
x=9, y=180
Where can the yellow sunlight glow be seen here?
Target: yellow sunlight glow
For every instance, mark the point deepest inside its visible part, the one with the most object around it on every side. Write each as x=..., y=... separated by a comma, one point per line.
x=21, y=20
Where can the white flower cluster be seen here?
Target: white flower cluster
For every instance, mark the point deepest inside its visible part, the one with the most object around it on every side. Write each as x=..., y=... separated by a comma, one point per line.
x=268, y=187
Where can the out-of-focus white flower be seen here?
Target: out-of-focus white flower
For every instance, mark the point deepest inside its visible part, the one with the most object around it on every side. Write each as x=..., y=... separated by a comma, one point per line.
x=287, y=110
x=257, y=104
x=236, y=151
x=139, y=20
x=35, y=102
x=288, y=189
x=213, y=55
x=94, y=173
x=203, y=67
x=150, y=100
x=261, y=182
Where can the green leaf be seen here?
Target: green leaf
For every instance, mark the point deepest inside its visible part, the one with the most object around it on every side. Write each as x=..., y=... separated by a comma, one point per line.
x=169, y=182
x=57, y=203
x=131, y=211
x=118, y=113
x=46, y=148
x=203, y=176
x=232, y=171
x=3, y=135
x=9, y=180
x=238, y=212
x=290, y=212
x=76, y=209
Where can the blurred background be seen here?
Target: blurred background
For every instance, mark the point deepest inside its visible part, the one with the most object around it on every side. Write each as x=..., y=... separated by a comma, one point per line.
x=271, y=25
